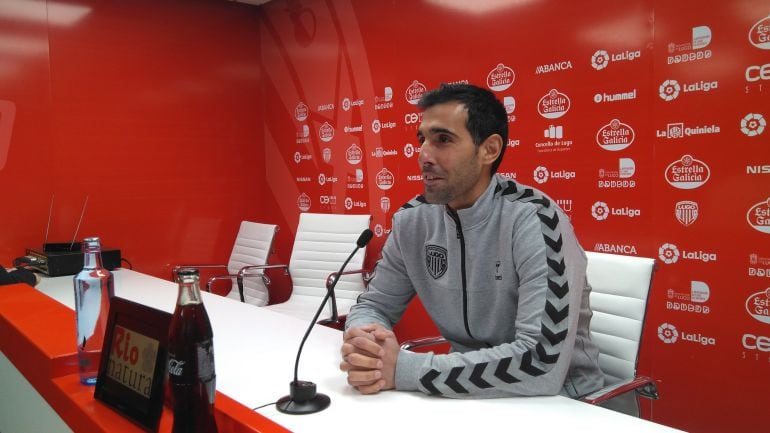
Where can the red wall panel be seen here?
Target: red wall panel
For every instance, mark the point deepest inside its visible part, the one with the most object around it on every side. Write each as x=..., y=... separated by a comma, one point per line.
x=149, y=110
x=589, y=126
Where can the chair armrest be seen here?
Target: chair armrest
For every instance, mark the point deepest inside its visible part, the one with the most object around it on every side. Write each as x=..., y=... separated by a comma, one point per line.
x=244, y=271
x=176, y=268
x=421, y=342
x=334, y=275
x=210, y=282
x=642, y=384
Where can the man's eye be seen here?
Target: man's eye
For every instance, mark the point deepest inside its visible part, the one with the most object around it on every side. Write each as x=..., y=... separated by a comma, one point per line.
x=420, y=139
x=444, y=138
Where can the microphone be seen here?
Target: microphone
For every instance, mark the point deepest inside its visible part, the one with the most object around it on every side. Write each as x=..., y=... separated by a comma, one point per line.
x=363, y=239
x=303, y=398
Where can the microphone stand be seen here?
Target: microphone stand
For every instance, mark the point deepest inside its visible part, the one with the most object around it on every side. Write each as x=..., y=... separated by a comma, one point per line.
x=303, y=398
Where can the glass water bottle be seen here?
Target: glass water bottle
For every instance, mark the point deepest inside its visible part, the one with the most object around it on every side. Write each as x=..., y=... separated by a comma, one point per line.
x=93, y=290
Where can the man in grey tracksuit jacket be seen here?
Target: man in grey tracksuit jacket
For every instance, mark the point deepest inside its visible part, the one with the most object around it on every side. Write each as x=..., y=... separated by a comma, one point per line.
x=504, y=281
x=495, y=263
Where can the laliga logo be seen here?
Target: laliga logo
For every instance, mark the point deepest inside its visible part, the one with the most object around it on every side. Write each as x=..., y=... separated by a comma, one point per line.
x=384, y=179
x=553, y=105
x=408, y=150
x=346, y=104
x=414, y=92
x=354, y=154
x=753, y=124
x=303, y=202
x=669, y=90
x=758, y=306
x=500, y=78
x=376, y=126
x=348, y=203
x=759, y=34
x=600, y=60
x=668, y=333
x=326, y=132
x=668, y=253
x=758, y=216
x=541, y=174
x=687, y=173
x=300, y=112
x=615, y=136
x=600, y=211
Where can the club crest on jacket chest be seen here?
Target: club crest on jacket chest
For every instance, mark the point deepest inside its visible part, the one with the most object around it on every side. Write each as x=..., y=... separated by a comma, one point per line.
x=435, y=260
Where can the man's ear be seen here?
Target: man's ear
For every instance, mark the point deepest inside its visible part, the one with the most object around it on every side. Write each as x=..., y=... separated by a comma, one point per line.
x=491, y=148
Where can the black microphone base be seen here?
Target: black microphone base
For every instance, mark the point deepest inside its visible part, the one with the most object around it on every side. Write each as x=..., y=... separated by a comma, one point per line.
x=303, y=399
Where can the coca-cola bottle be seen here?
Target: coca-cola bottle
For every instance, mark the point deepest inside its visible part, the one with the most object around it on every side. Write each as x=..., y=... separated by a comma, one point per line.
x=93, y=291
x=191, y=359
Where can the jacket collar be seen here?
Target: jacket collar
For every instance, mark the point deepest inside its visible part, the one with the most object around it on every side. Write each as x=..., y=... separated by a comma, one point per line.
x=481, y=210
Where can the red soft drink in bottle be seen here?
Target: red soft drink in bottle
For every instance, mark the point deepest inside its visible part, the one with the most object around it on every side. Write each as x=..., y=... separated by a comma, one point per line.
x=191, y=359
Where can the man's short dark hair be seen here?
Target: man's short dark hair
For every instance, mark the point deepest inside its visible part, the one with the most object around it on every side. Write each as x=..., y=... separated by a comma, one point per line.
x=486, y=114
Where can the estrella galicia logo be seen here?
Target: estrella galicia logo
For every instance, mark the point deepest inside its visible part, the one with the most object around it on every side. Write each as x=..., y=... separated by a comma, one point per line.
x=435, y=260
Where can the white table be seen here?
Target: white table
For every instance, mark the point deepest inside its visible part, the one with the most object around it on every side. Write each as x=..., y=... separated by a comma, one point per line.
x=255, y=351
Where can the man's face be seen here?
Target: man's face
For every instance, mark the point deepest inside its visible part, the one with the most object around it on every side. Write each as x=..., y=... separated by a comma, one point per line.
x=451, y=167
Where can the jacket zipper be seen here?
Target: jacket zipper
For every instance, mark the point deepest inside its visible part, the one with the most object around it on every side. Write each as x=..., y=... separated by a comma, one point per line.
x=456, y=218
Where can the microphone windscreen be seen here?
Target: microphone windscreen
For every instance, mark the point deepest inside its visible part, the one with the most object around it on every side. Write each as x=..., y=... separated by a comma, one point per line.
x=364, y=239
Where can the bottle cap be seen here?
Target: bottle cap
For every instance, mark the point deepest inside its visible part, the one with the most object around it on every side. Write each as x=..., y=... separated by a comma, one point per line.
x=188, y=272
x=92, y=242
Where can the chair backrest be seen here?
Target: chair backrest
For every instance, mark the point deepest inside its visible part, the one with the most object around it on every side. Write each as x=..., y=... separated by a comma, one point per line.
x=252, y=247
x=619, y=289
x=322, y=244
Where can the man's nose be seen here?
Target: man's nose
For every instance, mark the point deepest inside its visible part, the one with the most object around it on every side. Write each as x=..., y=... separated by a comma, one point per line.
x=426, y=154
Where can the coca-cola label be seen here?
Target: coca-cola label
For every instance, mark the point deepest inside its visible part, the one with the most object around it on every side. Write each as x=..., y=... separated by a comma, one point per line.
x=500, y=78
x=414, y=92
x=176, y=367
x=687, y=173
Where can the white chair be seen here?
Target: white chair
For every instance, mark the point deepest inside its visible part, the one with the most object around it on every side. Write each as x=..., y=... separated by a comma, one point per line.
x=619, y=289
x=321, y=245
x=252, y=247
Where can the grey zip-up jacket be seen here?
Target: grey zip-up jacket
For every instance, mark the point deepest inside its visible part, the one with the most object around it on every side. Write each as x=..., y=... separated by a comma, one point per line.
x=504, y=281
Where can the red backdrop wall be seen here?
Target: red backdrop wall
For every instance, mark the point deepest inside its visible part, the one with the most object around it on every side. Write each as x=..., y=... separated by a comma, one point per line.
x=645, y=119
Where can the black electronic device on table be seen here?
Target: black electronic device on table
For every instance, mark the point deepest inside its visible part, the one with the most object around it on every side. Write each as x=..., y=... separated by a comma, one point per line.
x=57, y=259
